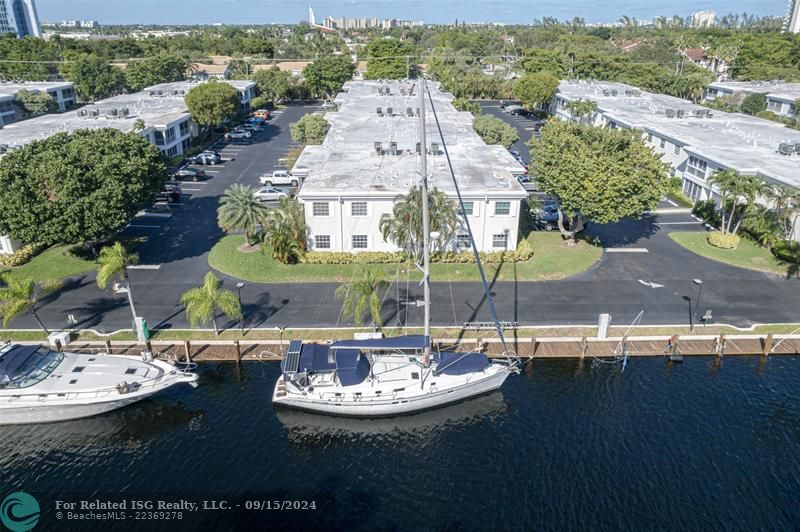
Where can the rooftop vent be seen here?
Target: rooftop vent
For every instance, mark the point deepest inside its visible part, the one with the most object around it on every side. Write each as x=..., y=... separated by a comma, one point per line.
x=784, y=148
x=670, y=113
x=417, y=113
x=403, y=91
x=680, y=113
x=83, y=113
x=419, y=150
x=392, y=148
x=124, y=112
x=94, y=112
x=380, y=111
x=378, y=148
x=409, y=111
x=614, y=92
x=389, y=111
x=435, y=148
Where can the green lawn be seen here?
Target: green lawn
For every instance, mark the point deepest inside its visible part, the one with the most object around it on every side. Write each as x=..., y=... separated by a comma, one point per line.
x=552, y=260
x=55, y=263
x=747, y=255
x=680, y=199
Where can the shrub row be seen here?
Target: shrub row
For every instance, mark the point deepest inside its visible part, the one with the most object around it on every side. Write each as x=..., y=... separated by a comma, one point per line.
x=19, y=257
x=523, y=252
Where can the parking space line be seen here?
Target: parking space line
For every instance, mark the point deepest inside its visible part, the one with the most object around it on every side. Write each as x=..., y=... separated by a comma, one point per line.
x=143, y=214
x=141, y=226
x=145, y=267
x=627, y=250
x=676, y=223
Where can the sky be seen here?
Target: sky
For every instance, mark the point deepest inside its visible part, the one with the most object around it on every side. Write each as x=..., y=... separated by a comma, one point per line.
x=430, y=11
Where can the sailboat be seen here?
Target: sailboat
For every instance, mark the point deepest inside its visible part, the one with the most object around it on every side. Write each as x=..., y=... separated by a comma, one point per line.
x=392, y=376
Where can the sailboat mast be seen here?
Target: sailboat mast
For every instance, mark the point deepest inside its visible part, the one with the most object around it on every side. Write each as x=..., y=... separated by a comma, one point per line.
x=426, y=230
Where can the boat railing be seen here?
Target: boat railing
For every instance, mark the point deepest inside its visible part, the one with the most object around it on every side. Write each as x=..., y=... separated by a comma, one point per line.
x=116, y=390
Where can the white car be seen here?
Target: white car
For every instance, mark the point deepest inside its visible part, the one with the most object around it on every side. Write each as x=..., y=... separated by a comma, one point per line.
x=270, y=194
x=279, y=177
x=231, y=135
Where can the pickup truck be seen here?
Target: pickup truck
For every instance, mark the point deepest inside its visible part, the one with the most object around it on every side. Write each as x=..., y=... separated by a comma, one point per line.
x=278, y=177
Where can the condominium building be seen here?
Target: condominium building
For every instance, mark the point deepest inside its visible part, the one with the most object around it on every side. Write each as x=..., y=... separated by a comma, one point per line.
x=792, y=20
x=371, y=155
x=781, y=97
x=19, y=17
x=694, y=140
x=62, y=92
x=703, y=19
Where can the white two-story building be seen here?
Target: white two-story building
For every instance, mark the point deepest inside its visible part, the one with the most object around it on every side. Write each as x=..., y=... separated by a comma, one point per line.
x=694, y=140
x=781, y=97
x=370, y=157
x=62, y=92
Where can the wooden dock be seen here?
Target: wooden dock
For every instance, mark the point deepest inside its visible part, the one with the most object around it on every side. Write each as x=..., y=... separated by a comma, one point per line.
x=526, y=348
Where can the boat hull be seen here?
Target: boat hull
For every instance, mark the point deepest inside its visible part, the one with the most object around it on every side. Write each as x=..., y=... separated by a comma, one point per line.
x=395, y=406
x=29, y=414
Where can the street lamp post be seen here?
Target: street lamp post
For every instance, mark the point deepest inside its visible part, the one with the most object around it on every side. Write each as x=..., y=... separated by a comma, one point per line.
x=239, y=287
x=693, y=319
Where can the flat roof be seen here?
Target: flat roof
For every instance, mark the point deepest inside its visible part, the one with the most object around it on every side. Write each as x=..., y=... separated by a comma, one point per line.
x=12, y=88
x=776, y=89
x=346, y=163
x=154, y=108
x=733, y=140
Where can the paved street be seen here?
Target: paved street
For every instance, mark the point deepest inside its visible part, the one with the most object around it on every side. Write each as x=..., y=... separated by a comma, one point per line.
x=641, y=270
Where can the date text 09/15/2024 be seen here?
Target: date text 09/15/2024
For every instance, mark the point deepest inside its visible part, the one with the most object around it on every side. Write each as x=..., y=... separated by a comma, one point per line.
x=187, y=506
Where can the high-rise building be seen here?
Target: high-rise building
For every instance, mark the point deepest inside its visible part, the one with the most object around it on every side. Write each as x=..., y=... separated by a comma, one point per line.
x=793, y=17
x=703, y=19
x=20, y=17
x=312, y=21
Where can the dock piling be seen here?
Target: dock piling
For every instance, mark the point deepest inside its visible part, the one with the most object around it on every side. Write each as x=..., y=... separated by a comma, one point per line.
x=187, y=348
x=767, y=345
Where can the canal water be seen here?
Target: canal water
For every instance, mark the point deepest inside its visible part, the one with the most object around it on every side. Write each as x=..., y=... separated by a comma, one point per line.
x=696, y=446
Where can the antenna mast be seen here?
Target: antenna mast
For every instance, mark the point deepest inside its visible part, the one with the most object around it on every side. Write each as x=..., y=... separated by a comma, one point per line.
x=426, y=230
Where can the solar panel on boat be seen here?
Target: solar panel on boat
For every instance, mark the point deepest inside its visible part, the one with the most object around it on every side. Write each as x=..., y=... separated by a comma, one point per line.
x=293, y=356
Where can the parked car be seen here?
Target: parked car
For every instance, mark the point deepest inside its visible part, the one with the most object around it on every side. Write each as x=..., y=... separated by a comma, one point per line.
x=513, y=152
x=270, y=194
x=252, y=128
x=206, y=157
x=238, y=135
x=505, y=103
x=171, y=193
x=189, y=174
x=516, y=110
x=262, y=113
x=256, y=120
x=279, y=177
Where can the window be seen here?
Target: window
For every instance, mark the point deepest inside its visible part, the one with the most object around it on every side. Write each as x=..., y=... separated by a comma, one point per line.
x=500, y=241
x=322, y=242
x=359, y=241
x=676, y=150
x=172, y=152
x=612, y=124
x=774, y=106
x=320, y=209
x=469, y=208
x=463, y=242
x=184, y=128
x=358, y=208
x=502, y=208
x=697, y=167
x=649, y=137
x=662, y=144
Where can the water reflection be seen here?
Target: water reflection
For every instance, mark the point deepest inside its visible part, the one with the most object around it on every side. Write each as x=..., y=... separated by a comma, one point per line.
x=308, y=428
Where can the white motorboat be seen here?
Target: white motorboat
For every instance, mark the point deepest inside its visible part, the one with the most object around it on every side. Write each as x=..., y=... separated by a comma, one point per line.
x=39, y=385
x=392, y=376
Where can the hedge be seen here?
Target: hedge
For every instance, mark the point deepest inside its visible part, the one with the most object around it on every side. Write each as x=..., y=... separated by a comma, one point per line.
x=720, y=240
x=19, y=257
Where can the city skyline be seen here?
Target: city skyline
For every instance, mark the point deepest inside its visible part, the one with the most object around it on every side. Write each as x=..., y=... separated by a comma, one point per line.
x=439, y=11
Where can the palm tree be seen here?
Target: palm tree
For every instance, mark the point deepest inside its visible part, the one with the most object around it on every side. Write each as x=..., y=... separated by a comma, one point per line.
x=358, y=296
x=203, y=303
x=239, y=209
x=21, y=296
x=113, y=264
x=786, y=203
x=285, y=231
x=738, y=193
x=404, y=225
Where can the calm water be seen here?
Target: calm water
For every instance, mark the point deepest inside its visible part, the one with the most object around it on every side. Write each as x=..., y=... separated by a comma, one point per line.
x=688, y=447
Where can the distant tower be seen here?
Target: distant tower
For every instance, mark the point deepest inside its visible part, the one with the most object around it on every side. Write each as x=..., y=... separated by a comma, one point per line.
x=311, y=20
x=792, y=23
x=20, y=17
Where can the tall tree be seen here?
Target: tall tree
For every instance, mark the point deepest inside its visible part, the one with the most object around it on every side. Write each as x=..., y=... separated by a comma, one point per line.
x=583, y=110
x=79, y=186
x=212, y=103
x=389, y=59
x=362, y=296
x=206, y=301
x=598, y=174
x=326, y=75
x=35, y=103
x=495, y=131
x=404, y=225
x=537, y=89
x=113, y=263
x=240, y=210
x=161, y=68
x=273, y=83
x=21, y=296
x=738, y=194
x=754, y=103
x=94, y=78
